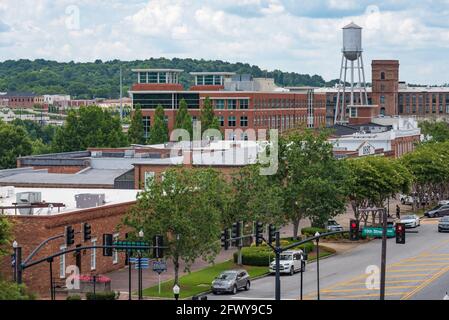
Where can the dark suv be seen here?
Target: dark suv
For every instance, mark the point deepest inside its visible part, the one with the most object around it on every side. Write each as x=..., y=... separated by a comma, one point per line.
x=438, y=211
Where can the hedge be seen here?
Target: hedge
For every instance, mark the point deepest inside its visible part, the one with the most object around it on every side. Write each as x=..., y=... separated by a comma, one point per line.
x=74, y=297
x=100, y=296
x=262, y=256
x=310, y=231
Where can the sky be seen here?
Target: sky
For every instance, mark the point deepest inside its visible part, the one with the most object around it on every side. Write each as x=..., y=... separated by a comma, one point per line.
x=301, y=36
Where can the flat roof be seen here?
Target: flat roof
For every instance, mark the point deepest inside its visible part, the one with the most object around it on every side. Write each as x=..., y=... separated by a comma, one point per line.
x=157, y=70
x=67, y=197
x=205, y=73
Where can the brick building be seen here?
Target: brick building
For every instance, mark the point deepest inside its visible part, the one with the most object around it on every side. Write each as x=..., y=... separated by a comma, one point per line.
x=29, y=230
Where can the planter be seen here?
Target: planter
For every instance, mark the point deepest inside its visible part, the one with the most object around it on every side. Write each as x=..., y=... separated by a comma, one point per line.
x=102, y=284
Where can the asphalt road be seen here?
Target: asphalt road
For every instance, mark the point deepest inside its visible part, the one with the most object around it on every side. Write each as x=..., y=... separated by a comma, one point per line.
x=418, y=269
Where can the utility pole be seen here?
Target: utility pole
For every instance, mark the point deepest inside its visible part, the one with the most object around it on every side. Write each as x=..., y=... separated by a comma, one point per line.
x=278, y=273
x=383, y=255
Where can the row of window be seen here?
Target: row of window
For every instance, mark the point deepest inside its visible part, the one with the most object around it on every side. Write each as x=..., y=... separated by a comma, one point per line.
x=232, y=121
x=284, y=104
x=420, y=109
x=93, y=257
x=231, y=104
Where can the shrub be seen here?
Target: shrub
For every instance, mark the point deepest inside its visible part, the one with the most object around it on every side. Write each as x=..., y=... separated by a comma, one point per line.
x=74, y=297
x=100, y=296
x=262, y=256
x=310, y=231
x=12, y=291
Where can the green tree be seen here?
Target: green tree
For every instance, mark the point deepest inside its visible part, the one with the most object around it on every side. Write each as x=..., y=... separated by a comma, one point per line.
x=183, y=119
x=159, y=129
x=208, y=118
x=14, y=143
x=186, y=208
x=436, y=131
x=136, y=132
x=313, y=181
x=89, y=127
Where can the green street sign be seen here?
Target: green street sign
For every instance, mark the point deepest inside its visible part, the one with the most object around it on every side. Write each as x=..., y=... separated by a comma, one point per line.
x=129, y=244
x=376, y=232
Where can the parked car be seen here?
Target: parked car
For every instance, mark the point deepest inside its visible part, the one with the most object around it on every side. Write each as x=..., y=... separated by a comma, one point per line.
x=405, y=199
x=443, y=224
x=231, y=281
x=290, y=262
x=438, y=211
x=443, y=202
x=411, y=221
x=333, y=225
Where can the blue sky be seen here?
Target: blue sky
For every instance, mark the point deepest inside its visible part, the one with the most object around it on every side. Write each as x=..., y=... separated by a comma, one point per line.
x=291, y=35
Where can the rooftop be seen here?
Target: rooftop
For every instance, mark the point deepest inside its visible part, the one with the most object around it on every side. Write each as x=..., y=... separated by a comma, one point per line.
x=65, y=196
x=158, y=70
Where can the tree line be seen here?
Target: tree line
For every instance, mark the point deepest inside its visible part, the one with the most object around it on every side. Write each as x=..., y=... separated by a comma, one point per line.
x=101, y=79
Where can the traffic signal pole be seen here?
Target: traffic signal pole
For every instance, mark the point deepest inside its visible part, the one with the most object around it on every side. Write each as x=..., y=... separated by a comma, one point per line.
x=383, y=262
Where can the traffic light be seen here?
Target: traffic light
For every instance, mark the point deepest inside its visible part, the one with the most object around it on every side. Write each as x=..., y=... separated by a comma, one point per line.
x=259, y=233
x=158, y=242
x=235, y=234
x=87, y=232
x=353, y=230
x=225, y=239
x=271, y=233
x=69, y=233
x=400, y=233
x=107, y=241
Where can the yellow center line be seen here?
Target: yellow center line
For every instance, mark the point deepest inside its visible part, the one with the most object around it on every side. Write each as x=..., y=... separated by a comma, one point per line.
x=366, y=289
x=422, y=264
x=386, y=282
x=361, y=296
x=413, y=270
x=425, y=284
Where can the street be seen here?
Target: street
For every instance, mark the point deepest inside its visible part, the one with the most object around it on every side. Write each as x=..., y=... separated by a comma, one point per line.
x=417, y=270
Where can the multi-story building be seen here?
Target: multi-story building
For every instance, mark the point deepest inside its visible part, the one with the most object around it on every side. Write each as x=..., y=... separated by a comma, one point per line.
x=20, y=99
x=240, y=102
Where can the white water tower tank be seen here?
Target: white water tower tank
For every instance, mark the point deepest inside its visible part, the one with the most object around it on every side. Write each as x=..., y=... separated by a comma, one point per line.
x=352, y=41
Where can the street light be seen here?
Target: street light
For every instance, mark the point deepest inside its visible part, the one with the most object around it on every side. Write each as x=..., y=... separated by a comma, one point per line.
x=15, y=244
x=139, y=270
x=141, y=234
x=176, y=290
x=317, y=235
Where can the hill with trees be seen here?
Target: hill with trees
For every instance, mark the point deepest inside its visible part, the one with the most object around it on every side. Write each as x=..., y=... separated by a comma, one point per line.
x=101, y=79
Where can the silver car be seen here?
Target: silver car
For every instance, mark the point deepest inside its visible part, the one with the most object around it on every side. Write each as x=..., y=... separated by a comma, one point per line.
x=231, y=281
x=443, y=224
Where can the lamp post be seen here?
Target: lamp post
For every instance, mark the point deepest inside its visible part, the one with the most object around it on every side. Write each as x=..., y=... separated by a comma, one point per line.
x=317, y=234
x=176, y=290
x=18, y=262
x=139, y=270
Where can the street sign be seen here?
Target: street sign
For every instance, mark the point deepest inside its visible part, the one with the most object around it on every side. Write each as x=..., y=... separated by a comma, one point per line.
x=159, y=266
x=144, y=263
x=376, y=232
x=129, y=244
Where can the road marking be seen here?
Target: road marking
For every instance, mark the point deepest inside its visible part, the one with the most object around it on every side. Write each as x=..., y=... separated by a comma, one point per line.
x=413, y=270
x=361, y=296
x=386, y=282
x=395, y=276
x=422, y=264
x=425, y=283
x=365, y=289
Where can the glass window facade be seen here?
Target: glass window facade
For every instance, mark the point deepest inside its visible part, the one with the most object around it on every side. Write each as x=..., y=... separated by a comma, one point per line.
x=231, y=121
x=243, y=121
x=166, y=100
x=219, y=104
x=232, y=104
x=244, y=103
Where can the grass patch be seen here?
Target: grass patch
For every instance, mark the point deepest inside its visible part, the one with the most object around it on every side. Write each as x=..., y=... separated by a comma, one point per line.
x=200, y=281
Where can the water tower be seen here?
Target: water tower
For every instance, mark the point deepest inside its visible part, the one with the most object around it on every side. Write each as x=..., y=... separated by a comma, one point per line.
x=352, y=61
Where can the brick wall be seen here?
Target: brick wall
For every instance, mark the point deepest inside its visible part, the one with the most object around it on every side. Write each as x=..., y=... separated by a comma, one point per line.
x=30, y=231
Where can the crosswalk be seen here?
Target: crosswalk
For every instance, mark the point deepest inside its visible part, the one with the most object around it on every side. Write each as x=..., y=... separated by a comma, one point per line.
x=403, y=279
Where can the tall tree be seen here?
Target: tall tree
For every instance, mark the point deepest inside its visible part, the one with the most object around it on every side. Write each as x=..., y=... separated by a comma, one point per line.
x=159, y=129
x=208, y=118
x=136, y=132
x=89, y=127
x=14, y=143
x=185, y=208
x=183, y=119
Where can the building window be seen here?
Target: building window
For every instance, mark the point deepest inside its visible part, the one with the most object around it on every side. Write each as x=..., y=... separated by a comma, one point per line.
x=244, y=104
x=219, y=104
x=149, y=178
x=243, y=121
x=62, y=262
x=231, y=121
x=382, y=76
x=93, y=255
x=146, y=126
x=153, y=77
x=221, y=121
x=353, y=113
x=143, y=77
x=115, y=252
x=382, y=111
x=232, y=104
x=382, y=99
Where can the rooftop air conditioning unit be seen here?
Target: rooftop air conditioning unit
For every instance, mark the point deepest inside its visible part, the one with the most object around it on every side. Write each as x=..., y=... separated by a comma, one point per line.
x=89, y=200
x=27, y=199
x=6, y=192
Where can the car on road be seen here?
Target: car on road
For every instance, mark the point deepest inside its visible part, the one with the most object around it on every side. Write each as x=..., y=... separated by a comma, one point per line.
x=290, y=262
x=231, y=281
x=405, y=199
x=333, y=225
x=411, y=221
x=438, y=211
x=443, y=224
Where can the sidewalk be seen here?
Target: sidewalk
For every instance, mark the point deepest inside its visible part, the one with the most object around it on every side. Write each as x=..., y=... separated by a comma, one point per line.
x=119, y=278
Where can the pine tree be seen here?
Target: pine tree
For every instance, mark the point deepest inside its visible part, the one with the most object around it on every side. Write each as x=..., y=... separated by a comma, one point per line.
x=136, y=132
x=159, y=129
x=183, y=119
x=208, y=118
